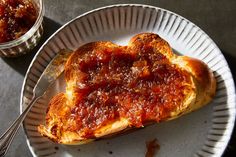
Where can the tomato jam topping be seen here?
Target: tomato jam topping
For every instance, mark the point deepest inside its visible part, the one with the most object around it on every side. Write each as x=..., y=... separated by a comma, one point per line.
x=16, y=18
x=139, y=85
x=152, y=148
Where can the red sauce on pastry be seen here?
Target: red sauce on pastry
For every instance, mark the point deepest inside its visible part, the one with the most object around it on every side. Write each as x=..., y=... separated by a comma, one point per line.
x=140, y=85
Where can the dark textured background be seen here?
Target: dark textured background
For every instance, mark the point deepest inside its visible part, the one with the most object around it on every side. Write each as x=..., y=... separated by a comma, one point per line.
x=215, y=17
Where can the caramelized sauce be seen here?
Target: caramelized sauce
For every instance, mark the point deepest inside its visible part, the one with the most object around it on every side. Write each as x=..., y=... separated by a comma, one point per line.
x=16, y=18
x=152, y=148
x=139, y=85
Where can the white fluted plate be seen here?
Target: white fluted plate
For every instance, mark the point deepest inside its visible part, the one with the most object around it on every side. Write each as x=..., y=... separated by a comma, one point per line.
x=204, y=133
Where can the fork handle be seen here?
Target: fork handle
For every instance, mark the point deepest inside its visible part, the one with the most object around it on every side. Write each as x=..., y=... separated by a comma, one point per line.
x=7, y=137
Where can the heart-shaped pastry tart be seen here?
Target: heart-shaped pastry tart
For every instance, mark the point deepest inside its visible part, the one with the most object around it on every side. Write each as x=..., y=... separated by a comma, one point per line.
x=112, y=88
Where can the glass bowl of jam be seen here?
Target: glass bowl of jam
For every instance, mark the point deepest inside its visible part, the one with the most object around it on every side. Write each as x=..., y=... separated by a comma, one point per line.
x=20, y=26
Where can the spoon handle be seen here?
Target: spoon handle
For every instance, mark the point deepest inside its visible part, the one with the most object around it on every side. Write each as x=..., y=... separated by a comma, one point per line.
x=7, y=137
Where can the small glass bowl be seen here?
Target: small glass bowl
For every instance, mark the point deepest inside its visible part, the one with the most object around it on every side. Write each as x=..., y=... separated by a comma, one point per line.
x=29, y=40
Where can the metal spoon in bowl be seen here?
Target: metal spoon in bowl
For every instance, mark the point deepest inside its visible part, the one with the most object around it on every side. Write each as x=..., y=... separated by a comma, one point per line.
x=48, y=77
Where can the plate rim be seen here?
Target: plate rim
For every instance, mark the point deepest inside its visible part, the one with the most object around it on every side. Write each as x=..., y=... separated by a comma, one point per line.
x=114, y=6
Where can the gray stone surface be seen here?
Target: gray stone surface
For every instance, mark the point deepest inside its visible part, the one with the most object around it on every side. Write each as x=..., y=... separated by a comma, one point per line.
x=215, y=17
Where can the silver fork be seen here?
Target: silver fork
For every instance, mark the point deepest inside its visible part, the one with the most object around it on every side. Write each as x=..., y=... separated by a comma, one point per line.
x=50, y=74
